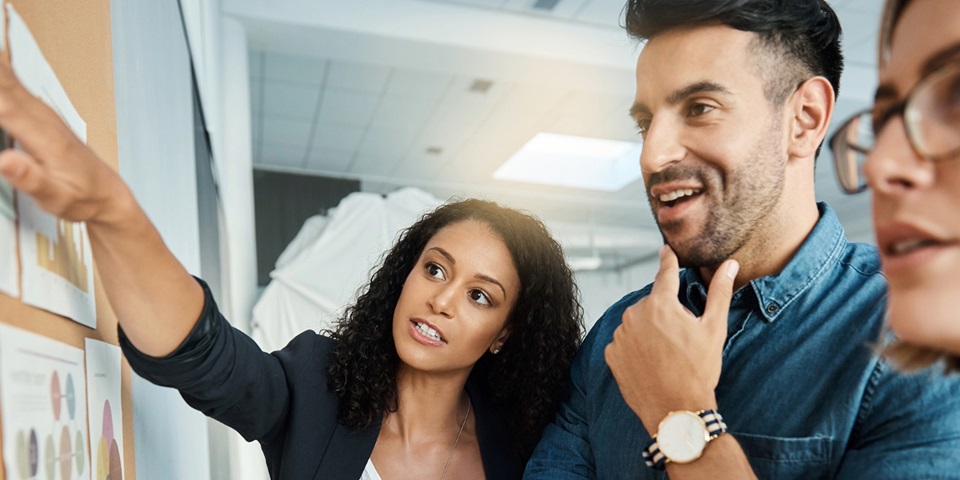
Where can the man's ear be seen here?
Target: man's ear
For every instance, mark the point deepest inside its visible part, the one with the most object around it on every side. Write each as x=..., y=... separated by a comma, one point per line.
x=811, y=107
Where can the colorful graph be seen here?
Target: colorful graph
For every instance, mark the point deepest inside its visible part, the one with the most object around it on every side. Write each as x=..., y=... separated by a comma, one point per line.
x=43, y=402
x=108, y=452
x=57, y=398
x=62, y=457
x=28, y=454
x=64, y=256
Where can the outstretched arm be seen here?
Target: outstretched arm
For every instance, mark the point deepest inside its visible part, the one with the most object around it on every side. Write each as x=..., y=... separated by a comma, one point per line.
x=156, y=301
x=665, y=359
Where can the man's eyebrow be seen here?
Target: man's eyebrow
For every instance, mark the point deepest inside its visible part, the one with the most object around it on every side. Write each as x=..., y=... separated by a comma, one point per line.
x=637, y=109
x=678, y=96
x=693, y=89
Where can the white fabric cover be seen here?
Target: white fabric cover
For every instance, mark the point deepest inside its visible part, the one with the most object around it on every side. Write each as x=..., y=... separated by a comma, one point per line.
x=332, y=256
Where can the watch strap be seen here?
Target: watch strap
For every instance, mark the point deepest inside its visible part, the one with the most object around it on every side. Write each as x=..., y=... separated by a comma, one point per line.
x=655, y=459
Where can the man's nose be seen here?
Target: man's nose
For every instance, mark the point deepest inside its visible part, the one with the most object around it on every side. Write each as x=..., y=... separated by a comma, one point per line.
x=661, y=145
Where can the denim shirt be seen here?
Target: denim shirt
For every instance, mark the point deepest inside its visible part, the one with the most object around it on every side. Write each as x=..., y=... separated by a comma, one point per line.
x=800, y=389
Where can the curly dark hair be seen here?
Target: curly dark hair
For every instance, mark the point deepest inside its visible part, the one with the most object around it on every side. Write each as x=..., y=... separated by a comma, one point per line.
x=527, y=380
x=806, y=33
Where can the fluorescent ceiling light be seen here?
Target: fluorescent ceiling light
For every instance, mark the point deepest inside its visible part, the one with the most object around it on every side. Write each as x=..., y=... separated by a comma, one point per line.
x=568, y=161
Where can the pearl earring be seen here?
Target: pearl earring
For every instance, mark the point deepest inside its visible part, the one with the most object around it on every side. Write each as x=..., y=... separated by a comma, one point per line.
x=496, y=351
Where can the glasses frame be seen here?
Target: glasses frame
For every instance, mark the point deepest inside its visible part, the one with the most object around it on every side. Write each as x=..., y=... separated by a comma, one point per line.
x=911, y=123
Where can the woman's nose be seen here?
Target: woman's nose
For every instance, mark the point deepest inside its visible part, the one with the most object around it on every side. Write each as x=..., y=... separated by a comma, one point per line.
x=893, y=165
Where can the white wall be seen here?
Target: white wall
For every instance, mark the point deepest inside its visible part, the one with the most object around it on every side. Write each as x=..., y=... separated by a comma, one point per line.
x=156, y=154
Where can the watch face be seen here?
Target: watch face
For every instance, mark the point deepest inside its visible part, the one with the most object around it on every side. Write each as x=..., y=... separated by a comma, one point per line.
x=682, y=436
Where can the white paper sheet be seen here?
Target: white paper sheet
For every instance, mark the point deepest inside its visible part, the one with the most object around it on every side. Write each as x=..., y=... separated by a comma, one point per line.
x=103, y=397
x=43, y=402
x=55, y=257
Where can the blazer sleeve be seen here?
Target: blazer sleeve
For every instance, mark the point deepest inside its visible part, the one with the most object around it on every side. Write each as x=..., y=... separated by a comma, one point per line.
x=223, y=373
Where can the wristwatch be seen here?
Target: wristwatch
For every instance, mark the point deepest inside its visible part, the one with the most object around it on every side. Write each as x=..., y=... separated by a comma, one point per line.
x=682, y=436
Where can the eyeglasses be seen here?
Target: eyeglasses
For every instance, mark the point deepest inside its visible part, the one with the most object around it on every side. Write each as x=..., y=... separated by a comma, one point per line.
x=931, y=117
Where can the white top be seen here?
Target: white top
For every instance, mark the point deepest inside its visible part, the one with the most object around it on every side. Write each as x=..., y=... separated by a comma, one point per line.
x=370, y=472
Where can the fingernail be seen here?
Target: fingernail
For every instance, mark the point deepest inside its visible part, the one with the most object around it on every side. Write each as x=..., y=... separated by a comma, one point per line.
x=733, y=269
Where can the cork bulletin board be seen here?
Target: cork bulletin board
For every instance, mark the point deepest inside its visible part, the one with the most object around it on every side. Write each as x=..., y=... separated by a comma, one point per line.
x=75, y=39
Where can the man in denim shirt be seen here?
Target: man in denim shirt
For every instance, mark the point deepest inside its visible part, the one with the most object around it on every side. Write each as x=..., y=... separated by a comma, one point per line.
x=778, y=379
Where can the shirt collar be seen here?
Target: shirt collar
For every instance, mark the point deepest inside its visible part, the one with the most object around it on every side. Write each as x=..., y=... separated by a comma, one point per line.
x=774, y=292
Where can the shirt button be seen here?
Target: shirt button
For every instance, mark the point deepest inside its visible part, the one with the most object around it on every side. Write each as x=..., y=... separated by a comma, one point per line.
x=772, y=308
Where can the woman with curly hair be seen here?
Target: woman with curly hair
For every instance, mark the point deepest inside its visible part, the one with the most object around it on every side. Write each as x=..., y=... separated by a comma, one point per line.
x=449, y=365
x=509, y=342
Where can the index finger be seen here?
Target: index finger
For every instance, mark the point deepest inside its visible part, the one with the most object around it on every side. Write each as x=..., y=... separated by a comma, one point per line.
x=667, y=281
x=720, y=293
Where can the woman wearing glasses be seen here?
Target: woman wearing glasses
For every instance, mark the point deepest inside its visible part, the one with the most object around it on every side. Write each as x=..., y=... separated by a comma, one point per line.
x=906, y=150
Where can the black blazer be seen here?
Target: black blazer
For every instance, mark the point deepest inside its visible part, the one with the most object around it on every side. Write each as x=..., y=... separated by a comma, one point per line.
x=282, y=401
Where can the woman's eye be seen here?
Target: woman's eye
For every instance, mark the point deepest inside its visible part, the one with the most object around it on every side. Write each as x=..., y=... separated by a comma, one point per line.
x=480, y=297
x=434, y=270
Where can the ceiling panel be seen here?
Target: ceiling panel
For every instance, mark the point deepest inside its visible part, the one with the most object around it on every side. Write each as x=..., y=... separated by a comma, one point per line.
x=359, y=77
x=286, y=131
x=347, y=107
x=291, y=100
x=386, y=144
x=279, y=155
x=403, y=113
x=418, y=84
x=334, y=136
x=293, y=68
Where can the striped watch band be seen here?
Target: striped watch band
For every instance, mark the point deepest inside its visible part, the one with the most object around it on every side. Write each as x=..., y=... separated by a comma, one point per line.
x=655, y=459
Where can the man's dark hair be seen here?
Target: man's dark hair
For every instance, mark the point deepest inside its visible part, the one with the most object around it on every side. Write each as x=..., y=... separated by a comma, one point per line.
x=802, y=36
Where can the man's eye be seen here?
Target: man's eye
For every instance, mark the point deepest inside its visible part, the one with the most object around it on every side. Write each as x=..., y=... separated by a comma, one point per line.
x=699, y=109
x=642, y=127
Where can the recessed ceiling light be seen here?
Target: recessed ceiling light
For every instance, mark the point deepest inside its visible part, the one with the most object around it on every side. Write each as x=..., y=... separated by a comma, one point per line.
x=434, y=150
x=480, y=85
x=571, y=161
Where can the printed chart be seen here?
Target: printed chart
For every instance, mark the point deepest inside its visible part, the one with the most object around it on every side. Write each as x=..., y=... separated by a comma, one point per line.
x=55, y=257
x=43, y=401
x=103, y=395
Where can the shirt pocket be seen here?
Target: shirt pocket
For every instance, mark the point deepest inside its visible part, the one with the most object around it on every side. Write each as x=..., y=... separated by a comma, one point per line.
x=787, y=457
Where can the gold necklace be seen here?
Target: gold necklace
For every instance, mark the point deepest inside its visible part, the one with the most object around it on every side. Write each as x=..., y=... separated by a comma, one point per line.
x=457, y=441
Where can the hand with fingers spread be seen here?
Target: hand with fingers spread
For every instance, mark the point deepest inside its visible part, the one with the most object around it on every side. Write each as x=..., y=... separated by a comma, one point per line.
x=662, y=356
x=54, y=167
x=156, y=301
